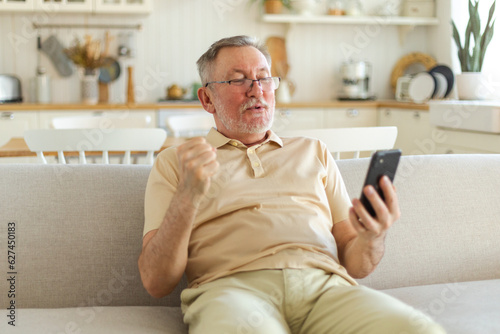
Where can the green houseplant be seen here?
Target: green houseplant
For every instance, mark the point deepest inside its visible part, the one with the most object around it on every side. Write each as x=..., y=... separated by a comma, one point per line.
x=471, y=83
x=472, y=57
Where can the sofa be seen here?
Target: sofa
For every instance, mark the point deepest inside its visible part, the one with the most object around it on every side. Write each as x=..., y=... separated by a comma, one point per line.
x=70, y=236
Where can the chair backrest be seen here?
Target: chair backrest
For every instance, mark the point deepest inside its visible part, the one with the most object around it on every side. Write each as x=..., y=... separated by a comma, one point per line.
x=82, y=140
x=355, y=140
x=101, y=122
x=189, y=125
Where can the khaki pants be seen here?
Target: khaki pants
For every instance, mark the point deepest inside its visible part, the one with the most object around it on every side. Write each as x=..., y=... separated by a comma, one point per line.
x=296, y=301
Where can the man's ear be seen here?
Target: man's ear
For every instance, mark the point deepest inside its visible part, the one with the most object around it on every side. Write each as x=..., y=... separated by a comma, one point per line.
x=205, y=97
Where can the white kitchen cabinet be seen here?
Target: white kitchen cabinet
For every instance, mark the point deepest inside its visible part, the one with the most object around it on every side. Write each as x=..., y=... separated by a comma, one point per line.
x=461, y=141
x=13, y=124
x=350, y=117
x=415, y=134
x=17, y=5
x=64, y=6
x=78, y=6
x=123, y=6
x=46, y=117
x=319, y=118
x=298, y=118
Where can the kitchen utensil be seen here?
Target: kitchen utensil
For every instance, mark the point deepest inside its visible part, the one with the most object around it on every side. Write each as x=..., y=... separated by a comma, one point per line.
x=175, y=92
x=108, y=73
x=277, y=49
x=448, y=74
x=130, y=85
x=41, y=82
x=42, y=87
x=355, y=80
x=55, y=51
x=417, y=88
x=10, y=89
x=441, y=85
x=125, y=48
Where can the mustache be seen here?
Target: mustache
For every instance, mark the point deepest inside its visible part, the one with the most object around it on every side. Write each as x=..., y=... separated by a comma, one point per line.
x=252, y=102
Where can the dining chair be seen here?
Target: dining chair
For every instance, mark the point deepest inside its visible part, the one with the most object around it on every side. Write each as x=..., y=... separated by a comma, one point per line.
x=101, y=122
x=85, y=140
x=356, y=140
x=190, y=125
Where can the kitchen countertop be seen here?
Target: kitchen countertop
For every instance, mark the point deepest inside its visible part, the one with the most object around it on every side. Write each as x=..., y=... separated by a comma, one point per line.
x=194, y=105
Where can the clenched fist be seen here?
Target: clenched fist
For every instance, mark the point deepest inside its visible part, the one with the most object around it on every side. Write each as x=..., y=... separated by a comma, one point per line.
x=197, y=163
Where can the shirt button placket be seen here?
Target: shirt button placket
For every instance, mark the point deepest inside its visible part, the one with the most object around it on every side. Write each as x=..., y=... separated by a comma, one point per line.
x=255, y=162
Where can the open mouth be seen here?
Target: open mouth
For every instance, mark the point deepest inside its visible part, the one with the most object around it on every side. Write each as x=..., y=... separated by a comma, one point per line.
x=256, y=107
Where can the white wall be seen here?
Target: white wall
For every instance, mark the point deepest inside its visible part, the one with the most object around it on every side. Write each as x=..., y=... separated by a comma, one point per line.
x=179, y=31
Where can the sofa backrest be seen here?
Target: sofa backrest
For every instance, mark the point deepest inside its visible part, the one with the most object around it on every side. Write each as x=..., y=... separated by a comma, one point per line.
x=78, y=234
x=78, y=228
x=450, y=215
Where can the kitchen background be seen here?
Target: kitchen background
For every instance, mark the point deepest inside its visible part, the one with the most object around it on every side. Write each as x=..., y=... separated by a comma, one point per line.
x=177, y=32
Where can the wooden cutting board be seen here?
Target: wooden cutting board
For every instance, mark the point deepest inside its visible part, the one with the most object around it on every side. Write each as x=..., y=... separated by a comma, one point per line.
x=277, y=50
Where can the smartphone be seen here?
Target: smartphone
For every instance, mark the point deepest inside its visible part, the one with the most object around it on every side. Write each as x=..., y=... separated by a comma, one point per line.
x=382, y=163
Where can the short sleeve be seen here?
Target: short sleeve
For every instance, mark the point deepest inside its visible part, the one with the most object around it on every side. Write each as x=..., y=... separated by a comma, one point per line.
x=162, y=184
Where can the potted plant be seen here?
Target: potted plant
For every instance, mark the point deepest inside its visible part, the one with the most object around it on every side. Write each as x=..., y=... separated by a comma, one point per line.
x=470, y=82
x=273, y=6
x=88, y=58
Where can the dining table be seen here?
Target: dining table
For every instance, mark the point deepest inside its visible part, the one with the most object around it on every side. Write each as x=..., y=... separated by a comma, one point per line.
x=17, y=147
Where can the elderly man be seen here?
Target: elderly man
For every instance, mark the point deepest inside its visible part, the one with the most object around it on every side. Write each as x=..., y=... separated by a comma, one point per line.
x=263, y=226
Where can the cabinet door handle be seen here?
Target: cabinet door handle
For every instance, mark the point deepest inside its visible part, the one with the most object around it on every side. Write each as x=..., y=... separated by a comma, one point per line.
x=352, y=112
x=387, y=112
x=285, y=113
x=7, y=115
x=416, y=115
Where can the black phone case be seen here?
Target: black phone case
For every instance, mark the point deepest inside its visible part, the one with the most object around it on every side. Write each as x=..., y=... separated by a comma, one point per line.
x=382, y=163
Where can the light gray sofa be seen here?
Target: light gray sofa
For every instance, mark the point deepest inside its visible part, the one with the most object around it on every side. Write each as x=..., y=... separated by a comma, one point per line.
x=78, y=236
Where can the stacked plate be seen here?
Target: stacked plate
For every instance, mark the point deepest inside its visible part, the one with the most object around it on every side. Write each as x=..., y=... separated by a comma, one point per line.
x=421, y=87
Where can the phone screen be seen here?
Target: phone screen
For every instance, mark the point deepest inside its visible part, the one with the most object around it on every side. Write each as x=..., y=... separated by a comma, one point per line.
x=382, y=163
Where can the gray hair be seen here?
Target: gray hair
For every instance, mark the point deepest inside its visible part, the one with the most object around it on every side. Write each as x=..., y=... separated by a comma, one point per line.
x=206, y=61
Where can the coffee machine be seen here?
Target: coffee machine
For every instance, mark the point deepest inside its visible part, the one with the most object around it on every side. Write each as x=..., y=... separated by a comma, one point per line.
x=355, y=77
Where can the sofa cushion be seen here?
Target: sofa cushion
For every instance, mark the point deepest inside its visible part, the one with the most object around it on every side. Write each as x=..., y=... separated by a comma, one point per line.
x=99, y=320
x=460, y=307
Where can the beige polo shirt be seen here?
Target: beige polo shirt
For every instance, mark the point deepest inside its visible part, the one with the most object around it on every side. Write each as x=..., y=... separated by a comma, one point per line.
x=272, y=205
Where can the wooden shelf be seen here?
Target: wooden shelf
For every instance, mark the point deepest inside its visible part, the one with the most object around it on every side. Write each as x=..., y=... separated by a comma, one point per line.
x=332, y=19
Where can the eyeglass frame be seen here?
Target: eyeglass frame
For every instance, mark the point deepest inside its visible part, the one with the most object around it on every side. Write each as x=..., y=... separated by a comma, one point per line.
x=251, y=85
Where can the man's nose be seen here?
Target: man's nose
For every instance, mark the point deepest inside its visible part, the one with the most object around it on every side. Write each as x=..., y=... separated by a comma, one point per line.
x=255, y=89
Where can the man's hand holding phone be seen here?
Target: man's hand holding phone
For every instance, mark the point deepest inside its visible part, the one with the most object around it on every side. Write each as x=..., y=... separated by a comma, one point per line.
x=378, y=208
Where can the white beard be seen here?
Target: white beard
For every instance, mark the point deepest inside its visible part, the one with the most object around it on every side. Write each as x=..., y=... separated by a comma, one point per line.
x=236, y=125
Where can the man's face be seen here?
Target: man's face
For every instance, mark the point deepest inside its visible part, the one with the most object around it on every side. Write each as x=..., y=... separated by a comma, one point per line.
x=237, y=110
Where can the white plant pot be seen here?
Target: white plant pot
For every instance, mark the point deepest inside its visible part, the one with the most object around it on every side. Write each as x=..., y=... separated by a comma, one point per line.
x=472, y=86
x=304, y=7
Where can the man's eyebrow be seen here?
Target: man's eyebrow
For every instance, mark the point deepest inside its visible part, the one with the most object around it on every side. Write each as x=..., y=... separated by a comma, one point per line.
x=236, y=70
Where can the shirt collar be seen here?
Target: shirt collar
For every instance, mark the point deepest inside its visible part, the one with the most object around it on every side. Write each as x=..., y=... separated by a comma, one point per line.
x=217, y=139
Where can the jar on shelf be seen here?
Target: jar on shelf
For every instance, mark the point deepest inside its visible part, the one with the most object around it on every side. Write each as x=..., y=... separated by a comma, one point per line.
x=354, y=8
x=336, y=7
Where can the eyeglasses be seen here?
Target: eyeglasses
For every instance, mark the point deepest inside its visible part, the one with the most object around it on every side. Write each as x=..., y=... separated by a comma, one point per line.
x=266, y=84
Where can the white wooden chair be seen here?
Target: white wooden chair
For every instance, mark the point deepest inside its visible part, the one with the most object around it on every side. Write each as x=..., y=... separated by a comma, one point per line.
x=359, y=139
x=189, y=125
x=101, y=122
x=82, y=140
